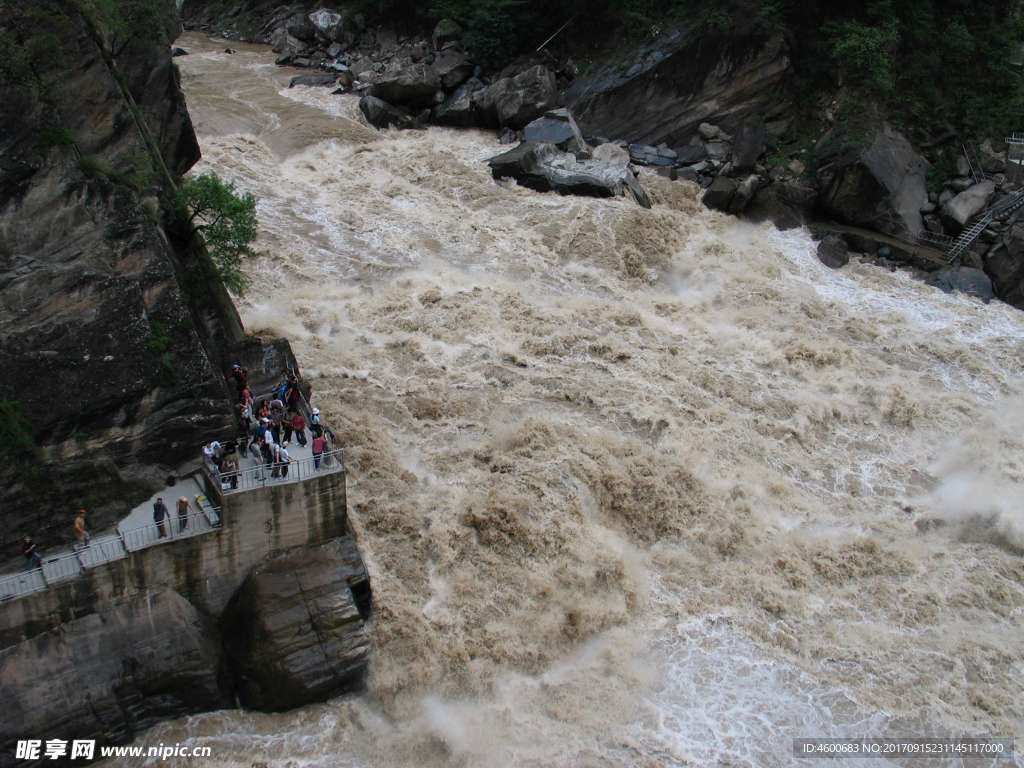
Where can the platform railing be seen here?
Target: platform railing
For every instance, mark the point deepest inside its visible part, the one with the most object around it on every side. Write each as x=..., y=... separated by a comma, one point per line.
x=105, y=548
x=263, y=475
x=173, y=528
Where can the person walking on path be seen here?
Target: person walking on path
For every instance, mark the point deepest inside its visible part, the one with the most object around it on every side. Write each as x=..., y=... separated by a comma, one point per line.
x=319, y=444
x=299, y=428
x=81, y=534
x=160, y=516
x=183, y=510
x=32, y=558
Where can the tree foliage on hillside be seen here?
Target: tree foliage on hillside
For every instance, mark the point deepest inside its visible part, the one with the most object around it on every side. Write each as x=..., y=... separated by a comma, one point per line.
x=937, y=61
x=225, y=219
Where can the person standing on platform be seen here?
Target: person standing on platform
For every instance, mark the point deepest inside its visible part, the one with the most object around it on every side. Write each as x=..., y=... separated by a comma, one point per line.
x=160, y=516
x=183, y=509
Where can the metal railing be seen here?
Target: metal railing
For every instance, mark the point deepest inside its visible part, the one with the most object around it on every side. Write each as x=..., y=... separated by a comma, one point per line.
x=173, y=528
x=104, y=549
x=263, y=475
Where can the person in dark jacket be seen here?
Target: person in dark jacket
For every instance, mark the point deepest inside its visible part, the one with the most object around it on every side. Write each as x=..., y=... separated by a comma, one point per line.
x=32, y=558
x=160, y=516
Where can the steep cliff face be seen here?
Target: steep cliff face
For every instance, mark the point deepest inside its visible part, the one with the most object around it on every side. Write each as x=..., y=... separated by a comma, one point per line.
x=109, y=363
x=112, y=674
x=664, y=90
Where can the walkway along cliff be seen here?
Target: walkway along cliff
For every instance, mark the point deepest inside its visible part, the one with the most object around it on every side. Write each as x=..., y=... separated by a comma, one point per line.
x=114, y=338
x=266, y=606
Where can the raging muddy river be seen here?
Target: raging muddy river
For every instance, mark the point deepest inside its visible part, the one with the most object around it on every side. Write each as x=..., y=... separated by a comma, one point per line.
x=635, y=487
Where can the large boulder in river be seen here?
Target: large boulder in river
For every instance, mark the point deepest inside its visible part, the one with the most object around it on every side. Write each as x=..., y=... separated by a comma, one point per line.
x=973, y=282
x=748, y=144
x=556, y=127
x=458, y=109
x=413, y=86
x=880, y=186
x=452, y=68
x=832, y=252
x=380, y=114
x=515, y=101
x=968, y=204
x=720, y=194
x=1005, y=266
x=294, y=633
x=546, y=168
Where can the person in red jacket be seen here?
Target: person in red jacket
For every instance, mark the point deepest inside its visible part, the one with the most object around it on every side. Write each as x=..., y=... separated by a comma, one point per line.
x=319, y=445
x=299, y=428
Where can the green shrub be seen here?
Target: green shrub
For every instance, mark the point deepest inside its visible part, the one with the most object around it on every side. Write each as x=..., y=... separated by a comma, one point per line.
x=226, y=221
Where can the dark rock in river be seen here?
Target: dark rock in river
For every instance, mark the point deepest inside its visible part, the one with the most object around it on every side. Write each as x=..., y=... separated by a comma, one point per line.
x=1005, y=266
x=832, y=252
x=380, y=114
x=414, y=86
x=175, y=52
x=882, y=186
x=458, y=109
x=691, y=154
x=294, y=633
x=719, y=195
x=748, y=144
x=963, y=280
x=515, y=101
x=452, y=68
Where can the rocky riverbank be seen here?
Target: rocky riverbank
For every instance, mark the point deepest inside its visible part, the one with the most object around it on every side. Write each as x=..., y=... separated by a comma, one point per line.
x=715, y=112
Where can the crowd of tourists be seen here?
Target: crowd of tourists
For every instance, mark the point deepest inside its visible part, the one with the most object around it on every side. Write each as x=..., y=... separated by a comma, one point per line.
x=266, y=428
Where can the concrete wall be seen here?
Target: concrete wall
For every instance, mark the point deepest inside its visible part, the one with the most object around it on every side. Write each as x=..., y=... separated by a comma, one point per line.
x=205, y=569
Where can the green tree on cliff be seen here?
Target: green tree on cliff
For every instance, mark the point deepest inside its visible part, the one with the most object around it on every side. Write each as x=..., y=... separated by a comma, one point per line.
x=226, y=221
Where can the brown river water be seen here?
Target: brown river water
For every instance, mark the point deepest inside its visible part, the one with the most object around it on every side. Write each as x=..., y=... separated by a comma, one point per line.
x=647, y=488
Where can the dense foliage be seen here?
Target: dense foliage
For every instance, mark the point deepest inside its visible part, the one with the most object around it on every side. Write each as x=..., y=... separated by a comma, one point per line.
x=952, y=62
x=226, y=221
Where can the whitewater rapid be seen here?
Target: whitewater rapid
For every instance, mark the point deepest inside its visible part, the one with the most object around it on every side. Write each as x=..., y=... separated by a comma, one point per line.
x=647, y=488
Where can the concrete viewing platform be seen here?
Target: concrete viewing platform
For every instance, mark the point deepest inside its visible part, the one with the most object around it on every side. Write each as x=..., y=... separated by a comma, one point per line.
x=207, y=491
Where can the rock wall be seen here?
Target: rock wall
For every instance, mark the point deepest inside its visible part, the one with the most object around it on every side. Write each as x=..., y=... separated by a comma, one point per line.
x=665, y=90
x=152, y=636
x=113, y=361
